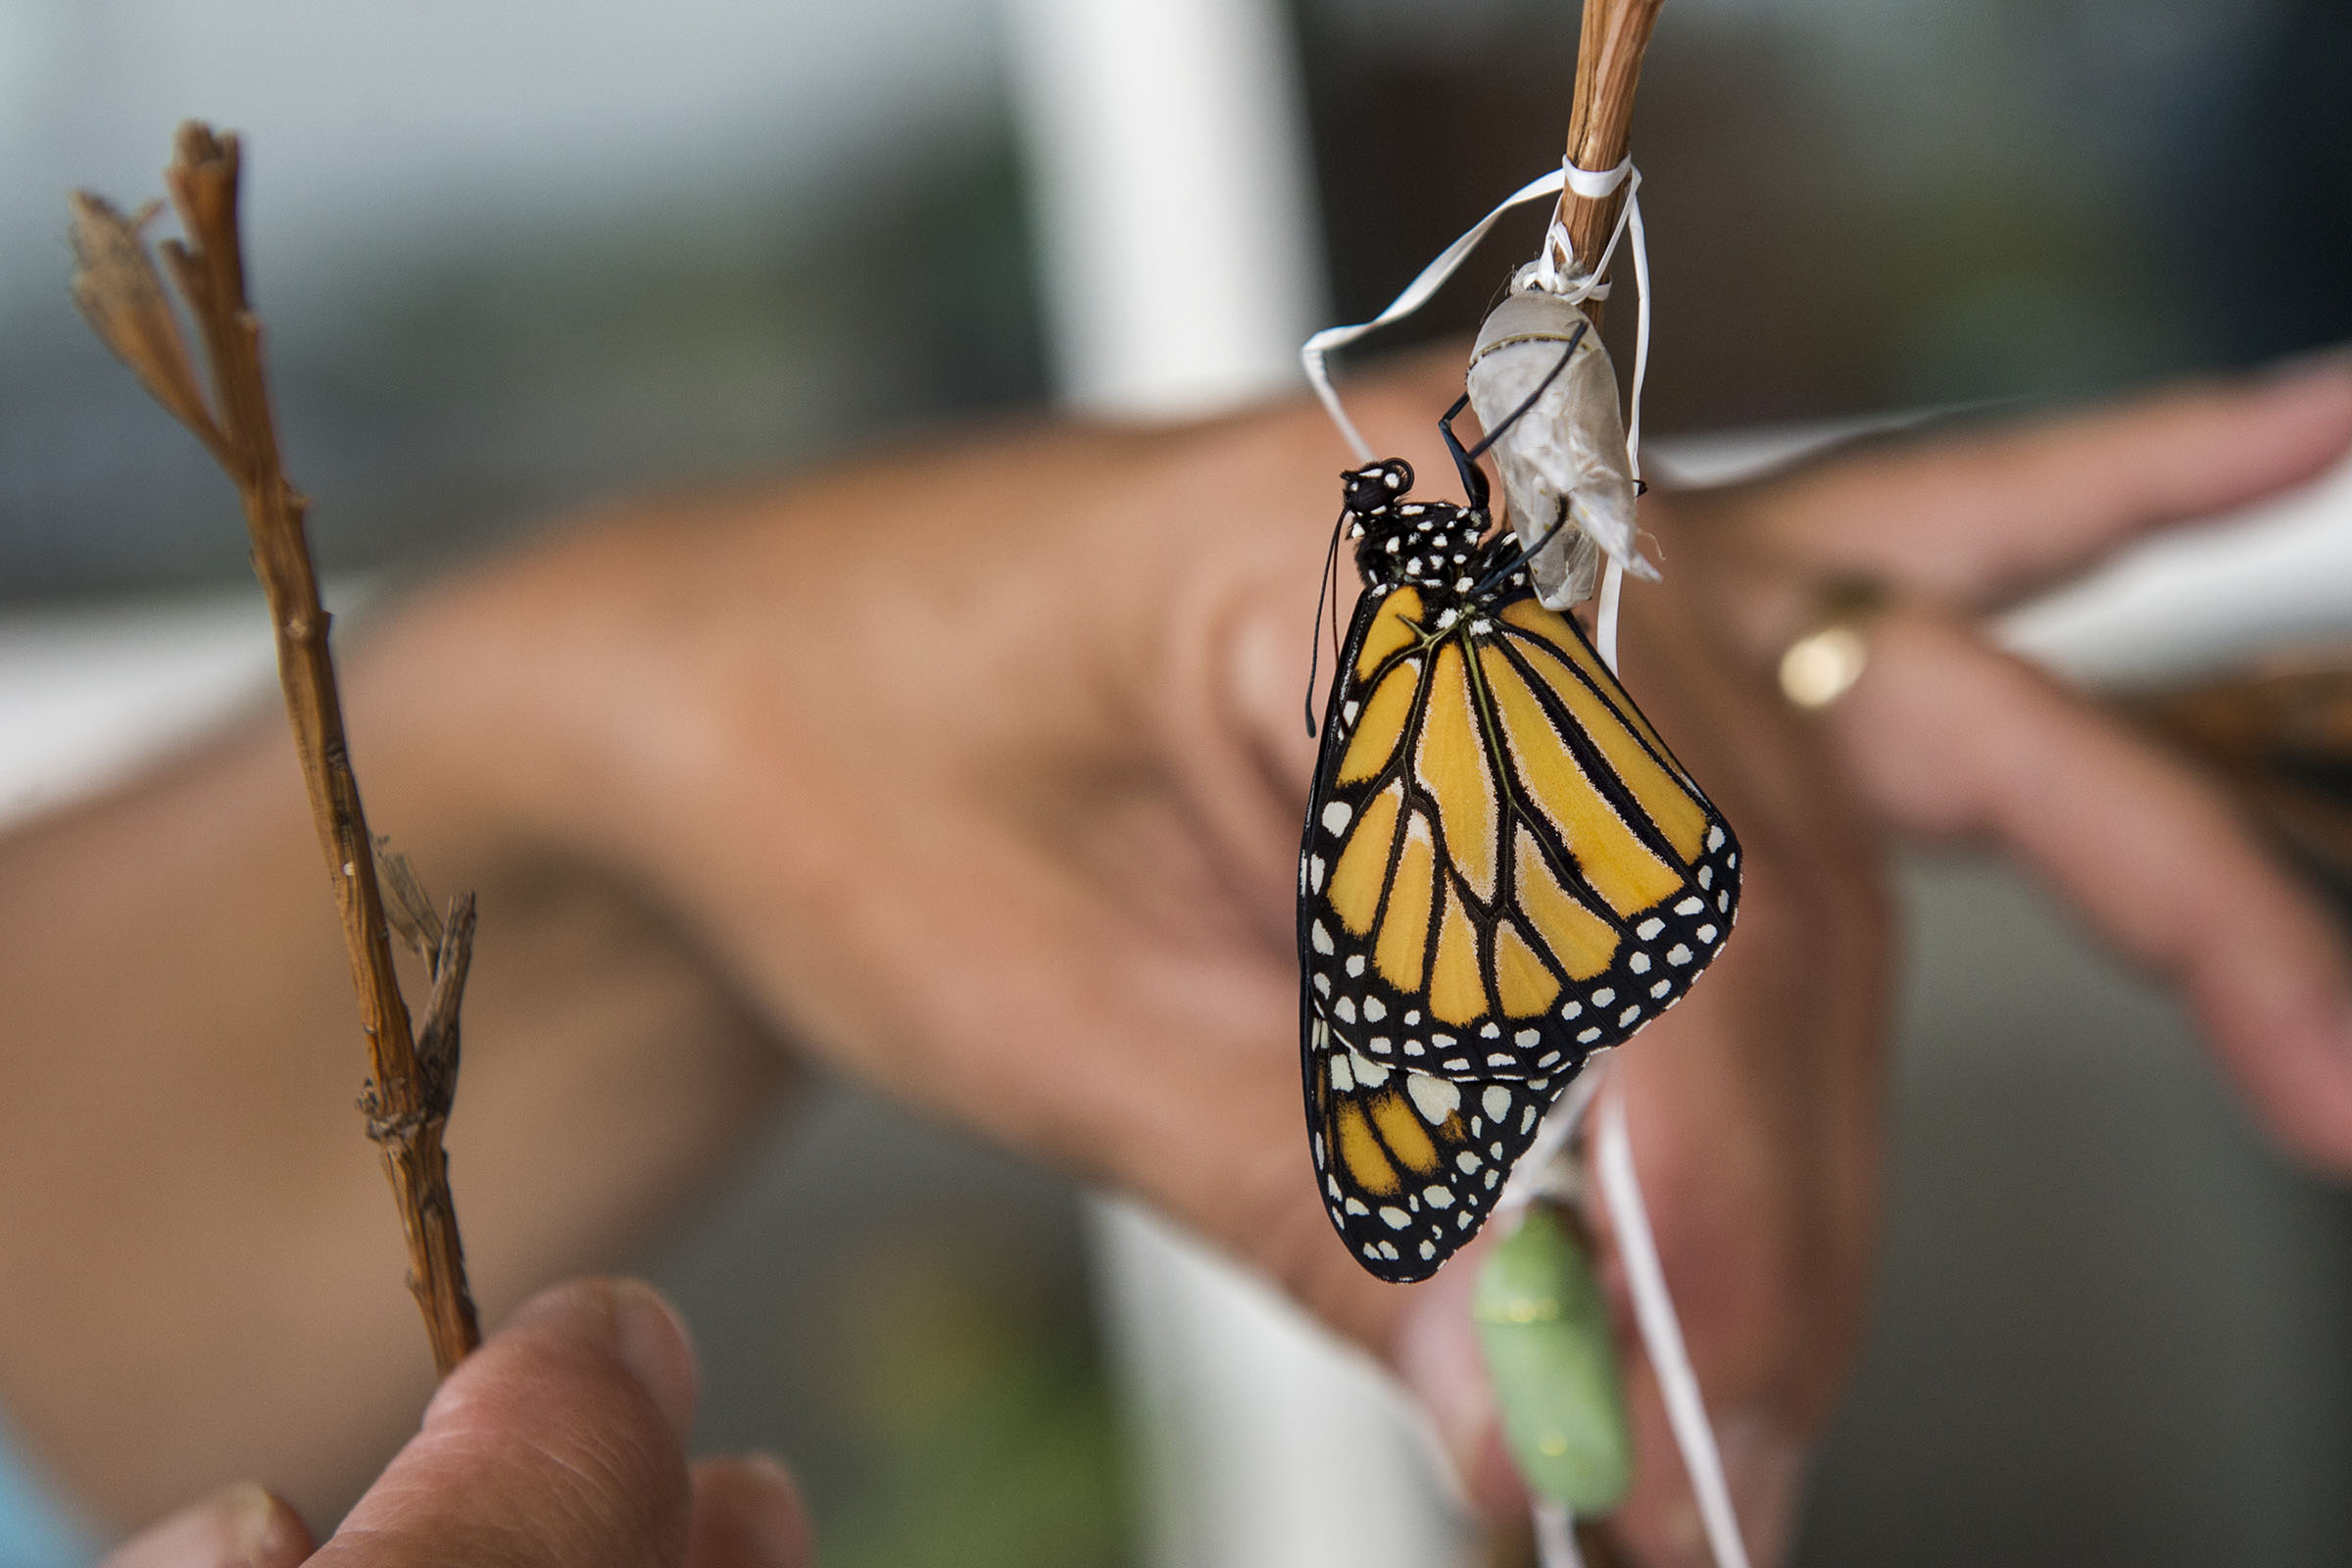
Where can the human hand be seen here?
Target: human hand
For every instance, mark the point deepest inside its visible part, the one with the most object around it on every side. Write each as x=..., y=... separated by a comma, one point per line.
x=1943, y=734
x=559, y=1442
x=981, y=771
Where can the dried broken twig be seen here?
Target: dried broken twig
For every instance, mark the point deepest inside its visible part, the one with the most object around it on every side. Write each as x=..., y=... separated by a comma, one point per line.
x=412, y=1076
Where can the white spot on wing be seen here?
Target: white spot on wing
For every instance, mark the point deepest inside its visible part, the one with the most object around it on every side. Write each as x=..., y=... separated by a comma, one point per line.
x=1336, y=815
x=1495, y=1101
x=1435, y=1098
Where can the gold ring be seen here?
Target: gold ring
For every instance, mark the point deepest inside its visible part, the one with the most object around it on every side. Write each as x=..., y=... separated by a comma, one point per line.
x=1823, y=664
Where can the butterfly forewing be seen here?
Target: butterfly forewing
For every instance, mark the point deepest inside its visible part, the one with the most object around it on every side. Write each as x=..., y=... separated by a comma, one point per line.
x=1504, y=870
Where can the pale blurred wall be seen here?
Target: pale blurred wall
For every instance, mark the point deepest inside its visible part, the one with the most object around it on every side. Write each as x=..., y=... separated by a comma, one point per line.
x=512, y=254
x=518, y=254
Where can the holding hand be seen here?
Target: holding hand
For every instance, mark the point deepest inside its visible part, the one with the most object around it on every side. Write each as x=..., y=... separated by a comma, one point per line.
x=559, y=1443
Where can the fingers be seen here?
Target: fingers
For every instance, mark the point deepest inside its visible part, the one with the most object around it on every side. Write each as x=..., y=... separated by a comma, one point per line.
x=1978, y=520
x=561, y=1440
x=1946, y=736
x=240, y=1527
x=748, y=1513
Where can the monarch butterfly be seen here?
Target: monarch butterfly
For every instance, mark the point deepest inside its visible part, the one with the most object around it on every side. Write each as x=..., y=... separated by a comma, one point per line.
x=1503, y=870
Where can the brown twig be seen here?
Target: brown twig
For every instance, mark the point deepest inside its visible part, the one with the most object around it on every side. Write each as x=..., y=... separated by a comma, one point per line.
x=411, y=1079
x=1608, y=67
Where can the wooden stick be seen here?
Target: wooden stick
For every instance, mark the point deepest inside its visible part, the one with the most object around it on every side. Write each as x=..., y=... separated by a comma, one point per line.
x=1614, y=38
x=412, y=1081
x=1608, y=67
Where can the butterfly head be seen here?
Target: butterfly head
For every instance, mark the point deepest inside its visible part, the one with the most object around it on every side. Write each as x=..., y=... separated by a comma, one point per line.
x=1372, y=492
x=1430, y=544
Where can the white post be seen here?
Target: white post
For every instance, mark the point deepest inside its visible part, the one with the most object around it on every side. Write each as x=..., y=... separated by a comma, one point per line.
x=1168, y=161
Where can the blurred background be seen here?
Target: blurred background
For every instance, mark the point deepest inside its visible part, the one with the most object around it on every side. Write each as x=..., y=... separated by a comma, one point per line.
x=520, y=255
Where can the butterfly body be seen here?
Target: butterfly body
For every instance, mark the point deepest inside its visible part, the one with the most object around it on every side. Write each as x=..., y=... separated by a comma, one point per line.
x=1503, y=870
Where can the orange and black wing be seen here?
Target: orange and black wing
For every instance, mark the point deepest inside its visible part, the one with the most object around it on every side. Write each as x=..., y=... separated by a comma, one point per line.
x=1503, y=870
x=1410, y=1162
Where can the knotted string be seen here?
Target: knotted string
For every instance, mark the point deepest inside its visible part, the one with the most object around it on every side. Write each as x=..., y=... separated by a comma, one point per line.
x=1555, y=272
x=1416, y=294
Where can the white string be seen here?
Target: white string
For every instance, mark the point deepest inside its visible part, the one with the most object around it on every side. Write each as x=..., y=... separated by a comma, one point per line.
x=1416, y=294
x=1555, y=271
x=1662, y=1333
x=1555, y=1538
x=1604, y=614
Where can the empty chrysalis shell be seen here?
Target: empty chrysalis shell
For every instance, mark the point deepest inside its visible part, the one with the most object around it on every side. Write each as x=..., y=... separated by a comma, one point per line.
x=1565, y=459
x=1552, y=1354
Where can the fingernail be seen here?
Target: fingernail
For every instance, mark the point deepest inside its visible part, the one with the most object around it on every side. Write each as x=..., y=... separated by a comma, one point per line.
x=628, y=1318
x=241, y=1525
x=1764, y=1466
x=772, y=1509
x=656, y=1345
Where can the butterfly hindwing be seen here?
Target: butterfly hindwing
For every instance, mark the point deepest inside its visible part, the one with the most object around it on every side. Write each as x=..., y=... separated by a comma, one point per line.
x=1410, y=1162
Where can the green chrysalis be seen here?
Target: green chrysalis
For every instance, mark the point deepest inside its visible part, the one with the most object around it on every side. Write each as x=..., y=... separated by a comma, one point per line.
x=1552, y=1356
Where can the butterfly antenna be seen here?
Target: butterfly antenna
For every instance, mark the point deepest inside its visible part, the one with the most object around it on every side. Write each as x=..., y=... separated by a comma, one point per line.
x=1315, y=642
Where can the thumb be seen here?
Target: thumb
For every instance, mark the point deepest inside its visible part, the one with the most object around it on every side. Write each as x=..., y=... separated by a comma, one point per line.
x=561, y=1440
